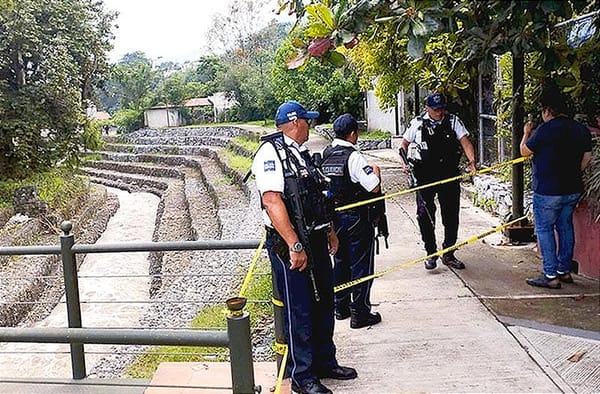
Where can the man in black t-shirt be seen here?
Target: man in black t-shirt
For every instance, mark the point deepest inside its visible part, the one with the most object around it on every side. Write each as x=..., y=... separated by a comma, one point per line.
x=561, y=149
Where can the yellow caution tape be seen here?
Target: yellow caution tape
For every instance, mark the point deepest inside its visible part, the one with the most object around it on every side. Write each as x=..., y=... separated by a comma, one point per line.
x=413, y=262
x=281, y=370
x=448, y=180
x=253, y=265
x=280, y=348
x=277, y=302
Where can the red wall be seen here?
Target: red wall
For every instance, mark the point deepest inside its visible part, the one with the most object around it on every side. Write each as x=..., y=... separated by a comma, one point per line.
x=587, y=241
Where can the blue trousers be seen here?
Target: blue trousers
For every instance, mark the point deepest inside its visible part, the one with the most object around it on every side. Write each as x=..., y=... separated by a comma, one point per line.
x=554, y=214
x=308, y=324
x=354, y=259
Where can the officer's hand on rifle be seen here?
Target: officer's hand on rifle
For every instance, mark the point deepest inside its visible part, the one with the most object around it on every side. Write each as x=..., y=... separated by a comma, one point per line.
x=333, y=241
x=298, y=258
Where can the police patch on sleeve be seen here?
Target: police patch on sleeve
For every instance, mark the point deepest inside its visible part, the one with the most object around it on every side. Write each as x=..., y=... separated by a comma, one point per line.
x=368, y=170
x=269, y=165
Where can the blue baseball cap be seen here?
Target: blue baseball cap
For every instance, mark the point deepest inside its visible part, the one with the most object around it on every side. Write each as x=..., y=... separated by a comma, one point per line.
x=435, y=101
x=292, y=110
x=344, y=125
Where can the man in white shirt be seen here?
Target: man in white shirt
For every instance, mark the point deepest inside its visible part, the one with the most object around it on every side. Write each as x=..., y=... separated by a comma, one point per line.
x=299, y=240
x=353, y=179
x=433, y=144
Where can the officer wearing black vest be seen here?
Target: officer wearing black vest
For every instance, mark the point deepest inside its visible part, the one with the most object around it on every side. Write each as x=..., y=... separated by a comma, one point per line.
x=352, y=179
x=299, y=240
x=433, y=145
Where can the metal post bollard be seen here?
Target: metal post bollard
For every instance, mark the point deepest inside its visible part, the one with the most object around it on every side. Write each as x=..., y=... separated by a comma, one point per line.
x=72, y=294
x=240, y=347
x=280, y=341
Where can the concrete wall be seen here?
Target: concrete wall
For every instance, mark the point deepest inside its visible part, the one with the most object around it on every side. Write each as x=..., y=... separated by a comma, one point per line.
x=379, y=119
x=157, y=118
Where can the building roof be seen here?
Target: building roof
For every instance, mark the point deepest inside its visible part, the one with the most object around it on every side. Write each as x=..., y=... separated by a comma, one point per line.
x=197, y=102
x=101, y=115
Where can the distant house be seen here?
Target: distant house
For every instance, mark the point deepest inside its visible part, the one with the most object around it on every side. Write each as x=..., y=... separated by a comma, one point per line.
x=162, y=116
x=102, y=115
x=200, y=110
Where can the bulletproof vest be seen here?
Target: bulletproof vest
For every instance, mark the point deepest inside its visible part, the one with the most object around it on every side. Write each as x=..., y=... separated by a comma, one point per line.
x=304, y=187
x=442, y=154
x=335, y=167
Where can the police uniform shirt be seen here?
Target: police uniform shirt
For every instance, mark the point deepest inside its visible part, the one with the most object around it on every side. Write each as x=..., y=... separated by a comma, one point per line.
x=268, y=170
x=412, y=134
x=360, y=171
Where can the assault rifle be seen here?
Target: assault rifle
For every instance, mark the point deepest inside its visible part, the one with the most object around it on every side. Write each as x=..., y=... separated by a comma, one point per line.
x=295, y=201
x=379, y=220
x=421, y=207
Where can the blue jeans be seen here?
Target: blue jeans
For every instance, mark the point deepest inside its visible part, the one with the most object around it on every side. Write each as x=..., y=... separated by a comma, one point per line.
x=555, y=213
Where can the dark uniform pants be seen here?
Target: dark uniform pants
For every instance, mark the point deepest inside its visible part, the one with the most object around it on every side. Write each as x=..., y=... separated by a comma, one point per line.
x=449, y=198
x=354, y=259
x=308, y=324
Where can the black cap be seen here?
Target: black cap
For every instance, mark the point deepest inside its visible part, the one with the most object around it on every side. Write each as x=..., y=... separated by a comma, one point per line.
x=344, y=125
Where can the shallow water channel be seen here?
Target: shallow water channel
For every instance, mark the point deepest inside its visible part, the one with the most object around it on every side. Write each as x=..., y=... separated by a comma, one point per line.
x=112, y=288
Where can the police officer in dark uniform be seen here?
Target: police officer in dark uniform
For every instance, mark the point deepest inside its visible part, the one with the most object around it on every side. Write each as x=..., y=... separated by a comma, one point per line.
x=433, y=144
x=299, y=240
x=352, y=179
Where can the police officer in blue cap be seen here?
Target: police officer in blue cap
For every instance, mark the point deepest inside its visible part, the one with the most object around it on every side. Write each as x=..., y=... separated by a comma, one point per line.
x=433, y=143
x=300, y=239
x=352, y=179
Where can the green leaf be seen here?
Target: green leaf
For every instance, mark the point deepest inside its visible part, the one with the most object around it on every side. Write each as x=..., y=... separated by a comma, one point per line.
x=416, y=47
x=323, y=14
x=346, y=36
x=336, y=58
x=318, y=30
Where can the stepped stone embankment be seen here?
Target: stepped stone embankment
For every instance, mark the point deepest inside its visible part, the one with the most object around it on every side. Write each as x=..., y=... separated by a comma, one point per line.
x=39, y=278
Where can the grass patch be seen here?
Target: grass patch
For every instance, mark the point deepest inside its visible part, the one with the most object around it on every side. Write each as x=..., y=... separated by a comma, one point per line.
x=92, y=157
x=374, y=135
x=241, y=164
x=212, y=317
x=250, y=144
x=58, y=188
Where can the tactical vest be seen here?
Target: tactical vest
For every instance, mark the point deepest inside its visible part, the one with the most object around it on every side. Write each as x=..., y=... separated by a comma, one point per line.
x=315, y=207
x=335, y=167
x=442, y=154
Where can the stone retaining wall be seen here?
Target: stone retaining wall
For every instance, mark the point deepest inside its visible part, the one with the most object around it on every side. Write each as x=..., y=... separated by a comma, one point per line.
x=495, y=196
x=362, y=144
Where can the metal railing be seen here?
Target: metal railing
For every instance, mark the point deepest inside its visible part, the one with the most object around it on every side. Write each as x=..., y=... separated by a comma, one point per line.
x=236, y=338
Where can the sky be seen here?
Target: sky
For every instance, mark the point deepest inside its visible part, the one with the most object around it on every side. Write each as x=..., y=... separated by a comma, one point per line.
x=172, y=30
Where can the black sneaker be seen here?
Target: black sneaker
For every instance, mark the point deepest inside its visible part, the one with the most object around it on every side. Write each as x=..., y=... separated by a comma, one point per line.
x=565, y=278
x=452, y=262
x=360, y=321
x=544, y=281
x=342, y=314
x=431, y=263
x=312, y=386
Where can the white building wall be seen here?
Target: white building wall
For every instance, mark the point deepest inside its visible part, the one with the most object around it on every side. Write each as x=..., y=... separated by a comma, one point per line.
x=378, y=119
x=162, y=117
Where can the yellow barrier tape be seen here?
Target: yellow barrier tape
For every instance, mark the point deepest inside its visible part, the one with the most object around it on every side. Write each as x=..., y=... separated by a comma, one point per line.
x=413, y=262
x=448, y=180
x=281, y=370
x=277, y=302
x=253, y=265
x=280, y=348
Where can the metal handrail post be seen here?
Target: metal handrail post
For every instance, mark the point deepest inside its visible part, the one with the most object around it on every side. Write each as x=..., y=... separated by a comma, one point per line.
x=240, y=352
x=72, y=294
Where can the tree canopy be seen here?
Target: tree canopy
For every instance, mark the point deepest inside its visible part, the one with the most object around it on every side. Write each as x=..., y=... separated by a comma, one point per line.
x=51, y=54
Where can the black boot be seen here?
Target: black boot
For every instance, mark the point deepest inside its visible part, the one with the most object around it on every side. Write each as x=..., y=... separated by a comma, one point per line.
x=312, y=386
x=364, y=320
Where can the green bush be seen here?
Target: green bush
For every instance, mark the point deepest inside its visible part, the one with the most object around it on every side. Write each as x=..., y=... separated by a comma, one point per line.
x=374, y=135
x=58, y=188
x=128, y=120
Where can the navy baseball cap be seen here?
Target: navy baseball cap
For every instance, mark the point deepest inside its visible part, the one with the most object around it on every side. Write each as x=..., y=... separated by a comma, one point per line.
x=435, y=101
x=344, y=125
x=292, y=110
